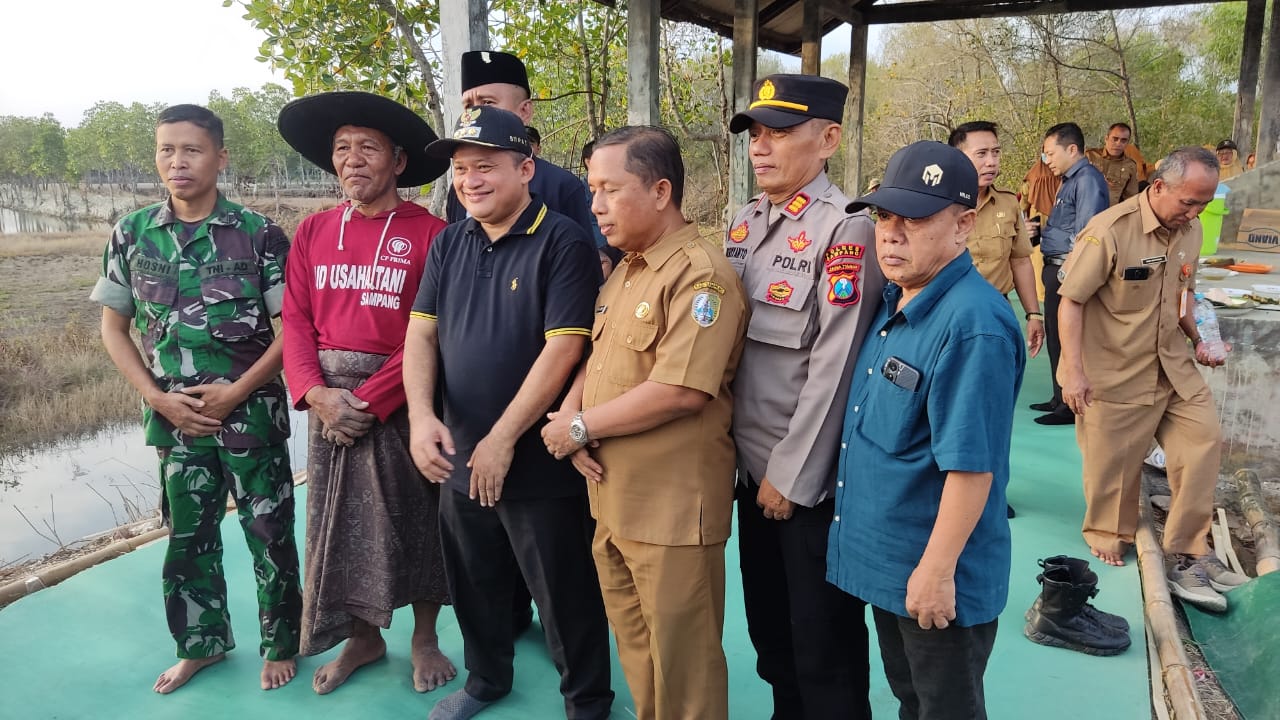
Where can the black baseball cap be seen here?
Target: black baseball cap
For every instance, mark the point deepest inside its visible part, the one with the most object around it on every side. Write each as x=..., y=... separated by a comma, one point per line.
x=1227, y=145
x=785, y=100
x=922, y=179
x=485, y=67
x=489, y=127
x=308, y=125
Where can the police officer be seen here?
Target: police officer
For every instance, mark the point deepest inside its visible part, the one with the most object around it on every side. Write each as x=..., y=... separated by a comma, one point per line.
x=1120, y=170
x=1128, y=373
x=813, y=284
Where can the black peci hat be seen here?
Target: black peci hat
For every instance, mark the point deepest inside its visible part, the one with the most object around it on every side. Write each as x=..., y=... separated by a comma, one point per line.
x=483, y=67
x=922, y=179
x=308, y=125
x=488, y=127
x=784, y=100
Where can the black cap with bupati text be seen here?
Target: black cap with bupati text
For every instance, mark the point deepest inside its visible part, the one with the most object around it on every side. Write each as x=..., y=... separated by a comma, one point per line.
x=922, y=179
x=785, y=100
x=489, y=127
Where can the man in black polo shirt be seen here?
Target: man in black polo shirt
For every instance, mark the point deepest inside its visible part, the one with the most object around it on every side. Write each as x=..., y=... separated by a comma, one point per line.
x=502, y=319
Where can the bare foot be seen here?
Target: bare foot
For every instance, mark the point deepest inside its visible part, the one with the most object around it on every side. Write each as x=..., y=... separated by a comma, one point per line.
x=278, y=673
x=1110, y=558
x=359, y=651
x=431, y=669
x=178, y=675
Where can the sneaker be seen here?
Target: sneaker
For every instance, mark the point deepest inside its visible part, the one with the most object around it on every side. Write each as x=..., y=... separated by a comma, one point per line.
x=1221, y=578
x=1189, y=581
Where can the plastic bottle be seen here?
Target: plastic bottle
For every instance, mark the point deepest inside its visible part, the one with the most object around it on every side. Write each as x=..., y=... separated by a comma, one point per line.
x=1207, y=326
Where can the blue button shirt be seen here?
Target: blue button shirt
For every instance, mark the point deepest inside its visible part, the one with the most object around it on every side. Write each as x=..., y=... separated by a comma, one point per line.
x=1083, y=194
x=899, y=444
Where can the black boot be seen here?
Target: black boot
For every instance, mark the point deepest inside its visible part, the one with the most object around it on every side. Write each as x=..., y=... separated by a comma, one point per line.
x=1082, y=575
x=1060, y=622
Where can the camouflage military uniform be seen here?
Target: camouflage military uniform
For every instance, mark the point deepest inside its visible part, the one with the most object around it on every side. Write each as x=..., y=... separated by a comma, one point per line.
x=202, y=296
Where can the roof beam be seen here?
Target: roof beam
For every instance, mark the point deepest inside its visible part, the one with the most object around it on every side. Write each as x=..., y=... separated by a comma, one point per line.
x=936, y=10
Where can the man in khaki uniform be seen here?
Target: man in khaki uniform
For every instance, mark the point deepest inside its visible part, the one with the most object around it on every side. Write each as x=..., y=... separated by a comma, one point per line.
x=1128, y=374
x=999, y=243
x=813, y=284
x=647, y=423
x=1120, y=170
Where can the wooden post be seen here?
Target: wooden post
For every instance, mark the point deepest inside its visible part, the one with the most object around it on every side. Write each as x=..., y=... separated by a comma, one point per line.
x=746, y=29
x=1246, y=95
x=1269, y=125
x=642, y=62
x=463, y=27
x=857, y=82
x=1254, y=509
x=811, y=38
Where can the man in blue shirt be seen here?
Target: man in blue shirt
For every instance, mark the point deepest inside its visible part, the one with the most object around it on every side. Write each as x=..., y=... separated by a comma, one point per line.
x=919, y=531
x=1084, y=193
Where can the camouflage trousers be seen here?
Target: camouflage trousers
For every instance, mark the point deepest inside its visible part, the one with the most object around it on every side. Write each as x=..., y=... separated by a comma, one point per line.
x=195, y=482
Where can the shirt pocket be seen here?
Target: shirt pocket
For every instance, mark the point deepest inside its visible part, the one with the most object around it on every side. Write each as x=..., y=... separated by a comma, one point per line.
x=233, y=304
x=155, y=294
x=632, y=358
x=893, y=417
x=1131, y=296
x=780, y=312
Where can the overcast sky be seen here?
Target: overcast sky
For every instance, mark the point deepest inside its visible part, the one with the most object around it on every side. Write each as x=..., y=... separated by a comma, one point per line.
x=62, y=56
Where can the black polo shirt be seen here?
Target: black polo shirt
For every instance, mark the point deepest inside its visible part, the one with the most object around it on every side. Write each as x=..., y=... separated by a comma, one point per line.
x=495, y=304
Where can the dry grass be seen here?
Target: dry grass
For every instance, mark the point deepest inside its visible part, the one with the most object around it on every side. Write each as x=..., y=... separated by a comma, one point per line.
x=57, y=381
x=59, y=384
x=77, y=244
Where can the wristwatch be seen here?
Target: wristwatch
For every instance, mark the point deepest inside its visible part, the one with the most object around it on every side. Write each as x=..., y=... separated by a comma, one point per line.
x=578, y=430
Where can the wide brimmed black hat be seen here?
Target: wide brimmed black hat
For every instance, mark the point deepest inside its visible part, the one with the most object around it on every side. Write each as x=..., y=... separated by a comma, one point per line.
x=308, y=125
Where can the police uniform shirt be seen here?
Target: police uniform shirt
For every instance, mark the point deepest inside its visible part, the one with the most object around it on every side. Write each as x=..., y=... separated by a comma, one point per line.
x=558, y=188
x=813, y=285
x=495, y=304
x=1131, y=327
x=673, y=314
x=1121, y=174
x=999, y=236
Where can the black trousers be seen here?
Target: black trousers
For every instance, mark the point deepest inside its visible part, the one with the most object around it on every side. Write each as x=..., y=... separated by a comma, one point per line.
x=541, y=539
x=935, y=674
x=810, y=637
x=1049, y=275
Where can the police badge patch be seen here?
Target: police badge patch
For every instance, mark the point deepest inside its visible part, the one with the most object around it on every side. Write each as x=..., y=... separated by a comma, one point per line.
x=706, y=308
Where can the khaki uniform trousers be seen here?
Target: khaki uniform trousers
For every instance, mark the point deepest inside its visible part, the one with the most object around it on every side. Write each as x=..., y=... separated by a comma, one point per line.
x=666, y=606
x=1114, y=439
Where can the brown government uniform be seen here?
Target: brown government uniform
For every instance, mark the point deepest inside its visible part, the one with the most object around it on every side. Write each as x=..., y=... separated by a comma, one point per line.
x=673, y=314
x=999, y=237
x=1121, y=173
x=1144, y=377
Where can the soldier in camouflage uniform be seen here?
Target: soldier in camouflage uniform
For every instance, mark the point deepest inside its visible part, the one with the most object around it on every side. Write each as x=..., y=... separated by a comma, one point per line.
x=200, y=278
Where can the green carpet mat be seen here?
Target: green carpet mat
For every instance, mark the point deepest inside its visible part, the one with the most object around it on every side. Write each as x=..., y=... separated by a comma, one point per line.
x=92, y=646
x=1240, y=646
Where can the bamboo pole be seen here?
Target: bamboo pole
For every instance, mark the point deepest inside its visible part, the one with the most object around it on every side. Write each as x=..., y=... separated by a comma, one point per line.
x=55, y=574
x=1158, y=607
x=1254, y=509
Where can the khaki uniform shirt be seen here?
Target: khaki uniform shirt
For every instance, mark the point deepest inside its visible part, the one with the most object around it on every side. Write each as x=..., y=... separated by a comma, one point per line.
x=1131, y=330
x=813, y=284
x=1121, y=173
x=673, y=314
x=999, y=236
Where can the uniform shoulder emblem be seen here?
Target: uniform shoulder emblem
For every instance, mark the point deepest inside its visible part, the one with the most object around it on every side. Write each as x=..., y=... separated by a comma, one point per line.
x=706, y=307
x=843, y=263
x=796, y=205
x=739, y=232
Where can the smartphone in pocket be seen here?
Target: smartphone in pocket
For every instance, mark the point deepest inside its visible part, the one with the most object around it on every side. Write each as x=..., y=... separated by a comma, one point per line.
x=901, y=374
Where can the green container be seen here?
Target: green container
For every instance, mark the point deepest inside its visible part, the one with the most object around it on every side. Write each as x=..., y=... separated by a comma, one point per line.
x=1211, y=224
